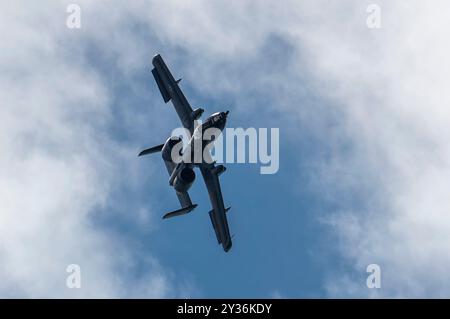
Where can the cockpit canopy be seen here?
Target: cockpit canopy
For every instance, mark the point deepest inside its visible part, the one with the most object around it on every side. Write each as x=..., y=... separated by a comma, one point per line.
x=218, y=117
x=216, y=120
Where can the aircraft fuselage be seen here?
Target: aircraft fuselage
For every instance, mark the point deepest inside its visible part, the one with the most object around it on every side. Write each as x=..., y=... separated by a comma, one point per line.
x=204, y=134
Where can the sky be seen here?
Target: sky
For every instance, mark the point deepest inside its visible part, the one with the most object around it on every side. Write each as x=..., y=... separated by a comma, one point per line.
x=364, y=171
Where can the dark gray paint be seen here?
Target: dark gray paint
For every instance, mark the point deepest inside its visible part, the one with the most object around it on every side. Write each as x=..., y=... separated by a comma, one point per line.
x=170, y=91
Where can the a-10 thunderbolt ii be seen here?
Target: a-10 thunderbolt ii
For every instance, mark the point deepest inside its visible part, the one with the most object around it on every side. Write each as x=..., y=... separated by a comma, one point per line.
x=179, y=160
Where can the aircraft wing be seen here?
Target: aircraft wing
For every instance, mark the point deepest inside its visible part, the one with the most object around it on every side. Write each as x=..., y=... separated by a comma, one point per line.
x=170, y=91
x=218, y=213
x=186, y=205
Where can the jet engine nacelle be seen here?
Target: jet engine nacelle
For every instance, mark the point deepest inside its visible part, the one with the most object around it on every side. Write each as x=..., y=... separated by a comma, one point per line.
x=183, y=181
x=166, y=151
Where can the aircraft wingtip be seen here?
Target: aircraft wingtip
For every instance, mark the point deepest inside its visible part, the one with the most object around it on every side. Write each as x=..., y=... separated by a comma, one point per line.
x=227, y=247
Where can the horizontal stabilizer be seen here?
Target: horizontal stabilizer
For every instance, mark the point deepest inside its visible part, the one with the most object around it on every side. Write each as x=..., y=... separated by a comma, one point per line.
x=162, y=88
x=151, y=150
x=181, y=211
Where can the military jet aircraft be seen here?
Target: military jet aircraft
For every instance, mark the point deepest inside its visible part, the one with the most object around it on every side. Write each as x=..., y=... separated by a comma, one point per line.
x=181, y=168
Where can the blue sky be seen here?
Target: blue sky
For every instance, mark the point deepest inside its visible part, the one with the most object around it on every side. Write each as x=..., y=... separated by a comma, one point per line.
x=280, y=247
x=364, y=161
